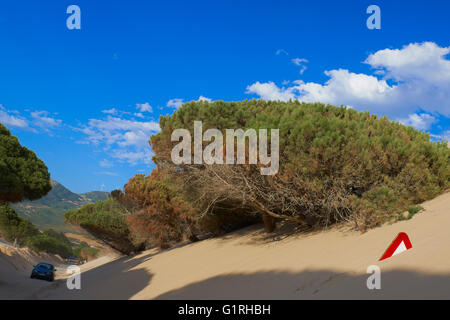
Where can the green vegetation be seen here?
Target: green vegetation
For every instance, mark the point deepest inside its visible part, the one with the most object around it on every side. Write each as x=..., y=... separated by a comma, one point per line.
x=15, y=228
x=414, y=210
x=336, y=164
x=48, y=243
x=85, y=252
x=22, y=174
x=106, y=220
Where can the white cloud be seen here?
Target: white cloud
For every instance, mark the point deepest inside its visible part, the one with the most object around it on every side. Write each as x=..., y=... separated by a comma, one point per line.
x=353, y=88
x=416, y=61
x=110, y=111
x=270, y=91
x=10, y=120
x=133, y=158
x=123, y=139
x=202, y=98
x=32, y=121
x=301, y=63
x=107, y=173
x=105, y=163
x=281, y=51
x=144, y=107
x=345, y=86
x=175, y=103
x=419, y=76
x=43, y=120
x=445, y=135
x=302, y=69
x=419, y=121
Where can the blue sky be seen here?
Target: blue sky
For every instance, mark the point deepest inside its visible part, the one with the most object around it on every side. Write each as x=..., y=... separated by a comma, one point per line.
x=86, y=101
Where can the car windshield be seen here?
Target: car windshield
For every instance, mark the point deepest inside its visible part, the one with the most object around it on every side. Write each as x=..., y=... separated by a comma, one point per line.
x=45, y=265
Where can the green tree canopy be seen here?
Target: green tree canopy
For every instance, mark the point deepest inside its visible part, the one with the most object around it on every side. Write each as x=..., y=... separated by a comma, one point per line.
x=336, y=164
x=22, y=174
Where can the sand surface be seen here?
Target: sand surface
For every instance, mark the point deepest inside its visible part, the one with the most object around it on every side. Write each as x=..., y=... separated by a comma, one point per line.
x=250, y=264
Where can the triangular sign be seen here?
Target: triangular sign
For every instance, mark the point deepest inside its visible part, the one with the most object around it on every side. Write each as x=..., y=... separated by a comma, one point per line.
x=400, y=244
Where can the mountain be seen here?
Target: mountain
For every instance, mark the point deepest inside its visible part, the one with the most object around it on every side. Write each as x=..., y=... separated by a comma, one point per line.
x=48, y=212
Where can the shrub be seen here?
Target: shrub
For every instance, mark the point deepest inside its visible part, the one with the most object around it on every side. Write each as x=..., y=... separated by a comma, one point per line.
x=13, y=227
x=161, y=216
x=86, y=252
x=336, y=164
x=414, y=210
x=105, y=220
x=58, y=236
x=45, y=243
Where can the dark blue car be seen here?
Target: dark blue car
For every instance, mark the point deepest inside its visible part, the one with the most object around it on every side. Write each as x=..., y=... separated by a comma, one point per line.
x=44, y=271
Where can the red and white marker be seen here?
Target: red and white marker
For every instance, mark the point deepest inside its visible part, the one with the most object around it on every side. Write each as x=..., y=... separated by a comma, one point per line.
x=400, y=244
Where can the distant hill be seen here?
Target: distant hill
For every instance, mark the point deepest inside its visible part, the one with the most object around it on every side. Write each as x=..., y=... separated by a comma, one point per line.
x=48, y=212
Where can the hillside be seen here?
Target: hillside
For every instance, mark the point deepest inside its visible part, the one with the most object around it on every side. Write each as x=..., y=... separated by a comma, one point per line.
x=48, y=212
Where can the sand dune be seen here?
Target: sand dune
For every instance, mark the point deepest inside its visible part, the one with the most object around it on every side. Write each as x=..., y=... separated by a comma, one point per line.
x=15, y=269
x=250, y=264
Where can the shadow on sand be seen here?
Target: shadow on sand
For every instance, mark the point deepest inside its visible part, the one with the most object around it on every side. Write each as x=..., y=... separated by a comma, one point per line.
x=283, y=231
x=113, y=280
x=324, y=284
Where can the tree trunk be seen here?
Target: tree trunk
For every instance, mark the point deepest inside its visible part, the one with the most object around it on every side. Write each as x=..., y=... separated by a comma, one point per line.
x=269, y=222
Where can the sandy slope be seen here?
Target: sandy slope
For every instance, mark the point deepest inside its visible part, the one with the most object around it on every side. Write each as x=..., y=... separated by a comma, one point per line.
x=15, y=282
x=250, y=264
x=16, y=265
x=15, y=269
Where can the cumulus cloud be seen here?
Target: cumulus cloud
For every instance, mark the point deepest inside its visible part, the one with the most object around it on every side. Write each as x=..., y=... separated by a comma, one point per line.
x=404, y=80
x=352, y=88
x=270, y=91
x=419, y=121
x=424, y=62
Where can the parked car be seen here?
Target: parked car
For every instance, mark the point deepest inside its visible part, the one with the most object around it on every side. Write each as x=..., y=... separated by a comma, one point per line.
x=73, y=260
x=45, y=271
